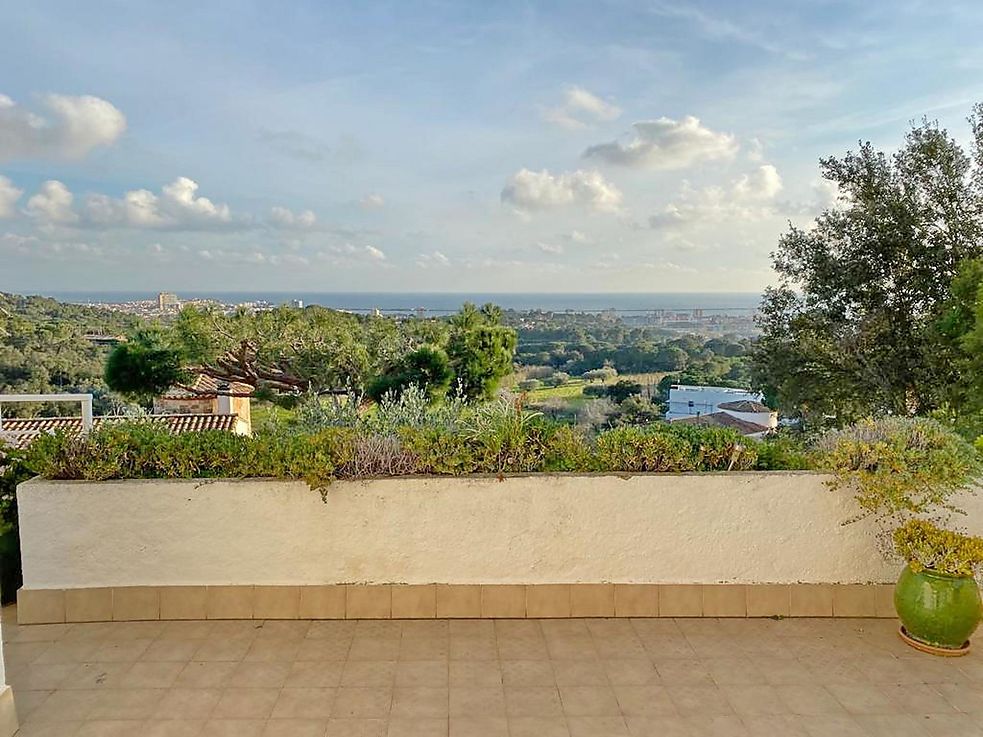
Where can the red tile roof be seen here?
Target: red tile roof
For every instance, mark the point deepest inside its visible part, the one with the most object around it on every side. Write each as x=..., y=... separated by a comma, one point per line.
x=722, y=419
x=745, y=405
x=19, y=432
x=206, y=386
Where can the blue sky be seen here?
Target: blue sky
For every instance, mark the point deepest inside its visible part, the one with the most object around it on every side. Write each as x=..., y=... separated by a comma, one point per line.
x=446, y=146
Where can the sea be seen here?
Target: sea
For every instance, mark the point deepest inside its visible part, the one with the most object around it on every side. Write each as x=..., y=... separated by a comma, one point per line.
x=446, y=302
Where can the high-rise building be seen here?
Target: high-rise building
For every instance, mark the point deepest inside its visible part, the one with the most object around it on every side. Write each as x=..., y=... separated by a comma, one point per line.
x=167, y=301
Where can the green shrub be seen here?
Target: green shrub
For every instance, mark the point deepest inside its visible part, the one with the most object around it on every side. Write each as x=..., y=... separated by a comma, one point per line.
x=500, y=437
x=784, y=453
x=923, y=545
x=899, y=466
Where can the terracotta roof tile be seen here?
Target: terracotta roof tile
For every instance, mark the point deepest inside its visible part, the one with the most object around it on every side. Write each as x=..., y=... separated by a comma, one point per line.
x=722, y=419
x=19, y=432
x=744, y=405
x=204, y=386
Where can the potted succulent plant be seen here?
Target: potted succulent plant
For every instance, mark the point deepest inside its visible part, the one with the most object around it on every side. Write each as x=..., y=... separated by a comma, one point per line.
x=904, y=473
x=936, y=597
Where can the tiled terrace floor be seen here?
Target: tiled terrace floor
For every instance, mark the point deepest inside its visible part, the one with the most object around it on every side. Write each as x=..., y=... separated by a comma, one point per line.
x=546, y=678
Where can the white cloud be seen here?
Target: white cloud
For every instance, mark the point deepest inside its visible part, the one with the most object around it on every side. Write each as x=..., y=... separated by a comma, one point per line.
x=530, y=190
x=434, y=258
x=665, y=143
x=580, y=108
x=749, y=198
x=349, y=252
x=69, y=127
x=176, y=207
x=287, y=219
x=375, y=254
x=9, y=194
x=52, y=204
x=372, y=201
x=551, y=248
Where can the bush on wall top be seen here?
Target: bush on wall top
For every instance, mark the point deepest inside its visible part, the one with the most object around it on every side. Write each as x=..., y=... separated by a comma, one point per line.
x=517, y=445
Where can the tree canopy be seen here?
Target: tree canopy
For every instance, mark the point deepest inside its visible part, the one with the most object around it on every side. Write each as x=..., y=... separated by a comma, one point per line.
x=853, y=327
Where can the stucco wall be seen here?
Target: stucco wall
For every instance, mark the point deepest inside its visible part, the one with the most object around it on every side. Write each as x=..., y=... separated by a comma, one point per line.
x=689, y=528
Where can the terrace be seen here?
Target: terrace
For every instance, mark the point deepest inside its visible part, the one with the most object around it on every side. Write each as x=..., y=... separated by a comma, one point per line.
x=582, y=677
x=614, y=602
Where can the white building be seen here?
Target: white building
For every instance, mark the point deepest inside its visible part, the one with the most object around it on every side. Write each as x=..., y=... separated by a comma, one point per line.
x=692, y=401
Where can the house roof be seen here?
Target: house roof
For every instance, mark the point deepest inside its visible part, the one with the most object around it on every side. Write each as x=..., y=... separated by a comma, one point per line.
x=745, y=405
x=722, y=419
x=204, y=387
x=19, y=432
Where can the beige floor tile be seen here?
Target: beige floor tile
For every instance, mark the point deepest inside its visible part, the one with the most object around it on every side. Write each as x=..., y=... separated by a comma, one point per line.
x=120, y=651
x=809, y=700
x=173, y=727
x=245, y=703
x=187, y=703
x=479, y=727
x=683, y=672
x=538, y=727
x=42, y=677
x=374, y=648
x=699, y=701
x=754, y=700
x=644, y=701
x=172, y=650
x=151, y=675
x=432, y=673
x=233, y=728
x=477, y=701
x=717, y=725
x=271, y=650
x=369, y=673
x=661, y=727
x=127, y=704
x=363, y=703
x=258, y=675
x=527, y=673
x=112, y=728
x=357, y=727
x=475, y=673
x=221, y=649
x=65, y=706
x=424, y=648
x=295, y=728
x=412, y=702
x=533, y=701
x=417, y=727
x=593, y=726
x=774, y=725
x=304, y=703
x=522, y=648
x=630, y=672
x=314, y=674
x=589, y=701
x=863, y=699
x=580, y=673
x=473, y=648
x=204, y=675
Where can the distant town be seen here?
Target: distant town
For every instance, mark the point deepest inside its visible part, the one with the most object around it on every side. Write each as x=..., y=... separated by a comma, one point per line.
x=709, y=322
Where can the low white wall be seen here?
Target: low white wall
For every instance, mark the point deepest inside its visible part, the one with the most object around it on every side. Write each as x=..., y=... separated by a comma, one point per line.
x=688, y=528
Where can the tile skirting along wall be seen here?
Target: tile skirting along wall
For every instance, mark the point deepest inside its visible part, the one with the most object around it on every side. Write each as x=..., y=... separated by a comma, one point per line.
x=450, y=601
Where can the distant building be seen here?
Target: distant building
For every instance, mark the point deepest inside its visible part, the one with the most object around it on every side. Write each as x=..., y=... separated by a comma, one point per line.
x=209, y=396
x=167, y=302
x=688, y=401
x=298, y=303
x=722, y=419
x=720, y=406
x=751, y=411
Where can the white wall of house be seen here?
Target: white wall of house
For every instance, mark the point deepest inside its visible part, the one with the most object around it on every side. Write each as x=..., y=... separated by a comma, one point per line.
x=688, y=401
x=689, y=528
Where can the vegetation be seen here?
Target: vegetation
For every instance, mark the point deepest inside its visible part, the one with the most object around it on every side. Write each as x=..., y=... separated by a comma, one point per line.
x=903, y=473
x=404, y=438
x=285, y=353
x=44, y=349
x=924, y=545
x=874, y=306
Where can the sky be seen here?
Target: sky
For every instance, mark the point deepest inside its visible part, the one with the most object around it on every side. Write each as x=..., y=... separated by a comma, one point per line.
x=599, y=146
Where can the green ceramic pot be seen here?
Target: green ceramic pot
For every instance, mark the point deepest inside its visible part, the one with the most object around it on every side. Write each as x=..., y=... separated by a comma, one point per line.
x=937, y=609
